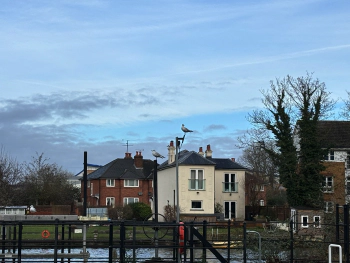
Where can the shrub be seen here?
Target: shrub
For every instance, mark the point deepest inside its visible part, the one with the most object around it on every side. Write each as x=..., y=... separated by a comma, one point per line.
x=140, y=211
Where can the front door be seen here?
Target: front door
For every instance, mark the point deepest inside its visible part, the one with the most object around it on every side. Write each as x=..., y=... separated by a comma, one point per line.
x=230, y=209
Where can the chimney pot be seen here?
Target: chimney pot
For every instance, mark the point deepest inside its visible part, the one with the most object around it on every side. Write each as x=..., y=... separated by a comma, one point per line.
x=171, y=143
x=233, y=159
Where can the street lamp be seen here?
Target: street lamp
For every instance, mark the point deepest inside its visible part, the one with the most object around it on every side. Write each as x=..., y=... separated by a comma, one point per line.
x=177, y=178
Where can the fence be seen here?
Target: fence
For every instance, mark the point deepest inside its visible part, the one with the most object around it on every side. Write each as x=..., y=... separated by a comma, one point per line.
x=119, y=241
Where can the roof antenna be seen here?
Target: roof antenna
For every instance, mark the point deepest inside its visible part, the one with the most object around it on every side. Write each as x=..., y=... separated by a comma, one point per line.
x=127, y=145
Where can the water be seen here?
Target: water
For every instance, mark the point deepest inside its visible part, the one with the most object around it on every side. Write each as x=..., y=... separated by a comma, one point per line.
x=102, y=255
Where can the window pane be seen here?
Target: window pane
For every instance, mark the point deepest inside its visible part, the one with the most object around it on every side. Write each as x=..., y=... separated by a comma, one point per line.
x=196, y=204
x=193, y=174
x=200, y=174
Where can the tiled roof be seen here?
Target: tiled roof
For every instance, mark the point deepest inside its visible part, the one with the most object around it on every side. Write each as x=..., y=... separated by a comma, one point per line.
x=194, y=158
x=334, y=134
x=123, y=168
x=186, y=158
x=225, y=163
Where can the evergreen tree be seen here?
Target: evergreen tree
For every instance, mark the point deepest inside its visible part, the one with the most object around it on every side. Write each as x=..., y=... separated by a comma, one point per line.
x=303, y=101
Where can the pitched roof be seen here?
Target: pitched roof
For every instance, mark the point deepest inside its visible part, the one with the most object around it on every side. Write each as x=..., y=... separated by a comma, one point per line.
x=123, y=169
x=225, y=163
x=334, y=134
x=187, y=158
x=194, y=158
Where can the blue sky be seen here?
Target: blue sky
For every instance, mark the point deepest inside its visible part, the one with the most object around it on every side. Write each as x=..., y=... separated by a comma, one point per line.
x=91, y=75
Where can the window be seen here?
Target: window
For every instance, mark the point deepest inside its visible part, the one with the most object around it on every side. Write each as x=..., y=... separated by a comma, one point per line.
x=196, y=182
x=110, y=201
x=328, y=207
x=259, y=188
x=304, y=221
x=328, y=184
x=131, y=183
x=261, y=202
x=196, y=205
x=110, y=182
x=348, y=160
x=317, y=221
x=348, y=186
x=329, y=156
x=230, y=185
x=130, y=200
x=88, y=184
x=91, y=189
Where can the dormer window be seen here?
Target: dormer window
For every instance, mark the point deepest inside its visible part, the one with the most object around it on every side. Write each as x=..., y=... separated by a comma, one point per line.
x=329, y=156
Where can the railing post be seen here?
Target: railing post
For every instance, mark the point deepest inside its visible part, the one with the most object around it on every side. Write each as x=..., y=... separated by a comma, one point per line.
x=110, y=243
x=291, y=241
x=69, y=240
x=191, y=243
x=62, y=241
x=337, y=237
x=244, y=242
x=56, y=241
x=205, y=225
x=346, y=232
x=228, y=240
x=174, y=240
x=20, y=229
x=122, y=242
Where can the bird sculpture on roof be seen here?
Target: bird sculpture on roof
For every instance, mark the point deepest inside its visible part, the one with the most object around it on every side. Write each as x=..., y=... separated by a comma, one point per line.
x=157, y=154
x=184, y=129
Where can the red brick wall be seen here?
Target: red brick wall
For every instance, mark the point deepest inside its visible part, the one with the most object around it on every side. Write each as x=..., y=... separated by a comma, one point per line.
x=118, y=192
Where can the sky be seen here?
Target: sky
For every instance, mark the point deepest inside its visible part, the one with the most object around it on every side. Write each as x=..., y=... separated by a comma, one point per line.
x=97, y=75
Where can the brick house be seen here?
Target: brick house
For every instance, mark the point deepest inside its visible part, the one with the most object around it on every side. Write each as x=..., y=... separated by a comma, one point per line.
x=334, y=136
x=122, y=181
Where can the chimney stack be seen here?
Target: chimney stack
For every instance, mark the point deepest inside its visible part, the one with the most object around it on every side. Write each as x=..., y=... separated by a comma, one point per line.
x=208, y=152
x=138, y=160
x=201, y=151
x=127, y=156
x=171, y=152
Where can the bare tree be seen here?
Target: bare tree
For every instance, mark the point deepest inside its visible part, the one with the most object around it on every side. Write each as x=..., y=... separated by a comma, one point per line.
x=10, y=177
x=346, y=110
x=46, y=184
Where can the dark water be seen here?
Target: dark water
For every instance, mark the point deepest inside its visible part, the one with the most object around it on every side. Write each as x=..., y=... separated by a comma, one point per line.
x=102, y=255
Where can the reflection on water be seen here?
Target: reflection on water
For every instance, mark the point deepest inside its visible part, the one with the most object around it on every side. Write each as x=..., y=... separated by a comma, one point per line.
x=102, y=255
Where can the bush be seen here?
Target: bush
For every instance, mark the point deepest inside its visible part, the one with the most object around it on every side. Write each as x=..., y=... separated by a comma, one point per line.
x=120, y=212
x=140, y=211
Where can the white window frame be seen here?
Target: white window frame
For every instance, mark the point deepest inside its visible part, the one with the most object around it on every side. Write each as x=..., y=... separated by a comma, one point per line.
x=110, y=182
x=230, y=183
x=126, y=200
x=328, y=207
x=317, y=224
x=196, y=183
x=328, y=184
x=92, y=189
x=302, y=221
x=111, y=201
x=196, y=208
x=261, y=202
x=329, y=156
x=127, y=182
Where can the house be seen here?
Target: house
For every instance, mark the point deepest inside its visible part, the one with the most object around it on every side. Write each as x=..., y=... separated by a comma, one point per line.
x=334, y=136
x=122, y=181
x=204, y=181
x=307, y=221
